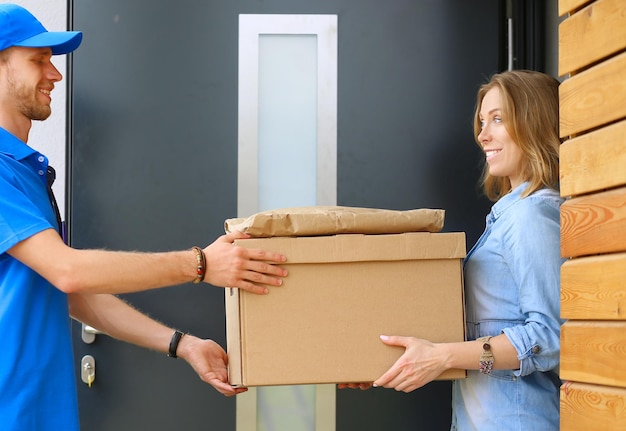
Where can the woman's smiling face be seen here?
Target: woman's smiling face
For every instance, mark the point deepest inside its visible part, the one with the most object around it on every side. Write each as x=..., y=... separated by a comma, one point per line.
x=502, y=154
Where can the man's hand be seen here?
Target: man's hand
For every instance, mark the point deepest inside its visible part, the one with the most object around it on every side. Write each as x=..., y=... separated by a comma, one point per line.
x=245, y=268
x=210, y=361
x=361, y=386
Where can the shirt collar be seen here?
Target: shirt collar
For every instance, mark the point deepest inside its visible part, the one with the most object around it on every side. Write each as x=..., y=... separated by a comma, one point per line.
x=13, y=147
x=509, y=199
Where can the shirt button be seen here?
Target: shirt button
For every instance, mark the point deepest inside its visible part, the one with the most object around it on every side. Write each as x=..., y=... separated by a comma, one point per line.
x=536, y=349
x=41, y=172
x=41, y=159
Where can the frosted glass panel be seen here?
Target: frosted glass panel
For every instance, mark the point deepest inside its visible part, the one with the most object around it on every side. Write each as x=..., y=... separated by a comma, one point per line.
x=287, y=152
x=287, y=147
x=287, y=175
x=286, y=408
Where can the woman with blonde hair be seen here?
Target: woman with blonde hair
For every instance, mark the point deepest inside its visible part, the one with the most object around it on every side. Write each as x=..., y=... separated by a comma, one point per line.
x=511, y=274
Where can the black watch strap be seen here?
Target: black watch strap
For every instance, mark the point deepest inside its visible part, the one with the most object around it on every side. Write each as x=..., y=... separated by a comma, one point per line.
x=174, y=343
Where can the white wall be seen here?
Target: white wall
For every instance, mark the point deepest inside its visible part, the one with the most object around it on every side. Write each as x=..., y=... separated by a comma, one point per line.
x=48, y=136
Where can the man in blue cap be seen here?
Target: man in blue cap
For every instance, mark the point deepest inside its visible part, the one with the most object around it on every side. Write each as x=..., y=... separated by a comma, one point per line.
x=43, y=281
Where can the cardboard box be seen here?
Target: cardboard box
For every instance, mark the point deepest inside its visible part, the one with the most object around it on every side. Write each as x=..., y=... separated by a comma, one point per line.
x=323, y=324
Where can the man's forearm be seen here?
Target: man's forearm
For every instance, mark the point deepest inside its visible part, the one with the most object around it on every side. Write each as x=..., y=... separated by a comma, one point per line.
x=123, y=272
x=116, y=318
x=99, y=271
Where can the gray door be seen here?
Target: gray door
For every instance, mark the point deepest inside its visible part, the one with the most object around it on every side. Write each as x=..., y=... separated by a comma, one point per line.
x=153, y=166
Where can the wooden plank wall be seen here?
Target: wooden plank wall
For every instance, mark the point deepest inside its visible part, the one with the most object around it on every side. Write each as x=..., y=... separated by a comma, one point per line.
x=592, y=58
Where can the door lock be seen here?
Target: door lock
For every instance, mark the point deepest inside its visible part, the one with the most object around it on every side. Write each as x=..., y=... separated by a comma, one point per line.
x=88, y=369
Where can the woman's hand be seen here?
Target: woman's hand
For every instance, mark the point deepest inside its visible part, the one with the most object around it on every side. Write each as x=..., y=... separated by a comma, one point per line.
x=421, y=363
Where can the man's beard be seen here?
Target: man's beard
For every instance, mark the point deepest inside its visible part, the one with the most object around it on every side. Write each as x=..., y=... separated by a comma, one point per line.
x=25, y=103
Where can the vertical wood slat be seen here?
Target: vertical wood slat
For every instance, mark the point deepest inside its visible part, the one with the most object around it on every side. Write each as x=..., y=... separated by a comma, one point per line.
x=593, y=33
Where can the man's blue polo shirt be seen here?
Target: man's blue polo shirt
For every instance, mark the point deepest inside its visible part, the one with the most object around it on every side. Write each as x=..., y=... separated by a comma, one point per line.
x=37, y=382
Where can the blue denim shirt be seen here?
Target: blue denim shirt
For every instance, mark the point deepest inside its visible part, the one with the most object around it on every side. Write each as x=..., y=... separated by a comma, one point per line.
x=512, y=278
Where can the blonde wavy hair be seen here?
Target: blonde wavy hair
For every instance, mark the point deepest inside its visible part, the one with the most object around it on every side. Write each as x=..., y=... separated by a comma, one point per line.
x=530, y=114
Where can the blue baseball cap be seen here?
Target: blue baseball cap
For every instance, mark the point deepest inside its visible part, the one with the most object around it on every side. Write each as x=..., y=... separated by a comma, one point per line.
x=18, y=27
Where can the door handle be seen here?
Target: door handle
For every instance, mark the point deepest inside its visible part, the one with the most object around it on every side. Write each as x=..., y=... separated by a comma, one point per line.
x=88, y=333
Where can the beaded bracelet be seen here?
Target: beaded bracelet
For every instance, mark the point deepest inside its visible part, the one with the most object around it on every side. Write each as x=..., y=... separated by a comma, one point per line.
x=201, y=267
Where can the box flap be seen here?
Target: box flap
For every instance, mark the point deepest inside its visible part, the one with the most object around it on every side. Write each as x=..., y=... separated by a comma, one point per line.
x=233, y=336
x=363, y=248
